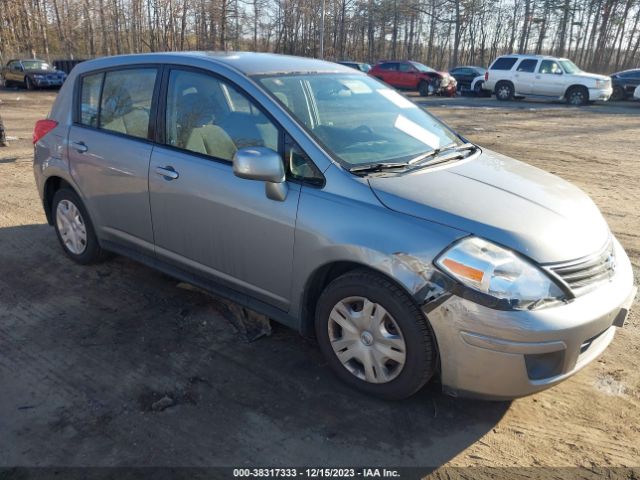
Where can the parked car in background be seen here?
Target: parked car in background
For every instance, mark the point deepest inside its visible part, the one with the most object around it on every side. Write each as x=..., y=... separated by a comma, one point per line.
x=31, y=74
x=517, y=76
x=470, y=79
x=320, y=197
x=414, y=76
x=363, y=67
x=624, y=83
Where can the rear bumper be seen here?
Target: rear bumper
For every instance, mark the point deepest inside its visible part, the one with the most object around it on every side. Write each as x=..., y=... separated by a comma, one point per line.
x=507, y=354
x=600, y=94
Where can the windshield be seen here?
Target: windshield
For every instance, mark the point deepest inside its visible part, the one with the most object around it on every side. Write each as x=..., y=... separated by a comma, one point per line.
x=358, y=119
x=569, y=67
x=35, y=65
x=421, y=67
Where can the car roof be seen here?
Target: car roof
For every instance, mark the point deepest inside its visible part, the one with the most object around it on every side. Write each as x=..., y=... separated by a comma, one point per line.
x=525, y=55
x=469, y=66
x=248, y=63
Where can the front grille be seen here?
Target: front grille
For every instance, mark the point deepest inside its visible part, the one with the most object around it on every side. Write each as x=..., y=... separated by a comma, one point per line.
x=587, y=271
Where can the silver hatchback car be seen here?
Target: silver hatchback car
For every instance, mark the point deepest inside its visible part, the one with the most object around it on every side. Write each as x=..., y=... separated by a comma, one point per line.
x=322, y=198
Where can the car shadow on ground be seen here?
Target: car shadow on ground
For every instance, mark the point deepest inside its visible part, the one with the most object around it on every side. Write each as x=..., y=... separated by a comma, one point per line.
x=113, y=364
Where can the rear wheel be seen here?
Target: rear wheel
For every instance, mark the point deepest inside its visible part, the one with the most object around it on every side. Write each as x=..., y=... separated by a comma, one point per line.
x=477, y=88
x=504, y=91
x=374, y=337
x=577, y=96
x=74, y=228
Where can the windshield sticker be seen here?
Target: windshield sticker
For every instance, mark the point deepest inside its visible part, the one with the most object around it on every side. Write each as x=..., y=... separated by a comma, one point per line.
x=416, y=131
x=396, y=98
x=356, y=86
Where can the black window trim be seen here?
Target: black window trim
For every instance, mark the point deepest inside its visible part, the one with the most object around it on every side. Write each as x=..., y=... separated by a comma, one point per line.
x=159, y=137
x=77, y=94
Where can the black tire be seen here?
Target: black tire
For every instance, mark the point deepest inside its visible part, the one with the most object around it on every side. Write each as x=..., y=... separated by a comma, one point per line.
x=577, y=96
x=618, y=94
x=477, y=89
x=504, y=91
x=28, y=83
x=420, y=360
x=423, y=88
x=92, y=252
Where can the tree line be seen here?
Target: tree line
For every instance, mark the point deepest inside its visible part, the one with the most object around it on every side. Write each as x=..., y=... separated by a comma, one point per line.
x=599, y=35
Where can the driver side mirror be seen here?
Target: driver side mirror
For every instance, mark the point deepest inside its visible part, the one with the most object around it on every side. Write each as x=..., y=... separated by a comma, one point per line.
x=263, y=164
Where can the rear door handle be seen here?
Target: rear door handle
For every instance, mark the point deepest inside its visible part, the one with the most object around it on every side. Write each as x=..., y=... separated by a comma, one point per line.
x=167, y=172
x=79, y=147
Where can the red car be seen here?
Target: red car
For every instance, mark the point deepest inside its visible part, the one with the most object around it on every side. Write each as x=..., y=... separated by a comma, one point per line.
x=414, y=76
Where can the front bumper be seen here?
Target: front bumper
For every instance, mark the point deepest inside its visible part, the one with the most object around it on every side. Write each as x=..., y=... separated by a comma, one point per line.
x=600, y=94
x=449, y=90
x=498, y=354
x=48, y=82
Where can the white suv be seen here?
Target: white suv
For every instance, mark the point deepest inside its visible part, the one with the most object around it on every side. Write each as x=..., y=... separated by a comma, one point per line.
x=516, y=76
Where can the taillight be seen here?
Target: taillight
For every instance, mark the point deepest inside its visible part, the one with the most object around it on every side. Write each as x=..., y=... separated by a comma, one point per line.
x=43, y=127
x=486, y=75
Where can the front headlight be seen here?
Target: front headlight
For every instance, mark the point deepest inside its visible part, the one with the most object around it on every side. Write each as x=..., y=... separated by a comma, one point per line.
x=444, y=82
x=498, y=272
x=602, y=83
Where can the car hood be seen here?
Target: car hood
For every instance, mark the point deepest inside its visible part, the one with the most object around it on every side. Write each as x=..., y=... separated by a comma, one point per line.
x=503, y=200
x=591, y=76
x=43, y=72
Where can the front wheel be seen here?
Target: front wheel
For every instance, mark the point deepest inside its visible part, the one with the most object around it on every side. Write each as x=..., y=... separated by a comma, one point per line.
x=577, y=96
x=74, y=228
x=374, y=337
x=423, y=88
x=618, y=94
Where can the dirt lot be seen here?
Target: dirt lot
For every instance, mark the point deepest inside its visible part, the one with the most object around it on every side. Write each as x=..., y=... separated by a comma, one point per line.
x=86, y=351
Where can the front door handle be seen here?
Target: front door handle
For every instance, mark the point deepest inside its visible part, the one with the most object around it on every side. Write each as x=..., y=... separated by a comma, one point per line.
x=79, y=147
x=167, y=172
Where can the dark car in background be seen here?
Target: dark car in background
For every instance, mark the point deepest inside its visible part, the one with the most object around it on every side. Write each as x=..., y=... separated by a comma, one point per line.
x=414, y=76
x=363, y=67
x=31, y=74
x=624, y=83
x=469, y=78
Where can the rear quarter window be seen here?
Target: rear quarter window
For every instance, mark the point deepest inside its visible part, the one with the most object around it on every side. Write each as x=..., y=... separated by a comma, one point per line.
x=90, y=99
x=504, y=63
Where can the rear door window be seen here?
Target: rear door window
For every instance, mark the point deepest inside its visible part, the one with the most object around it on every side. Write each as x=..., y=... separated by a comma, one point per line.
x=527, y=65
x=388, y=66
x=504, y=63
x=126, y=101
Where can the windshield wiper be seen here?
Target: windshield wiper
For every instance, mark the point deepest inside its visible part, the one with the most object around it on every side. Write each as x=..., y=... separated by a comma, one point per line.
x=378, y=167
x=444, y=154
x=438, y=155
